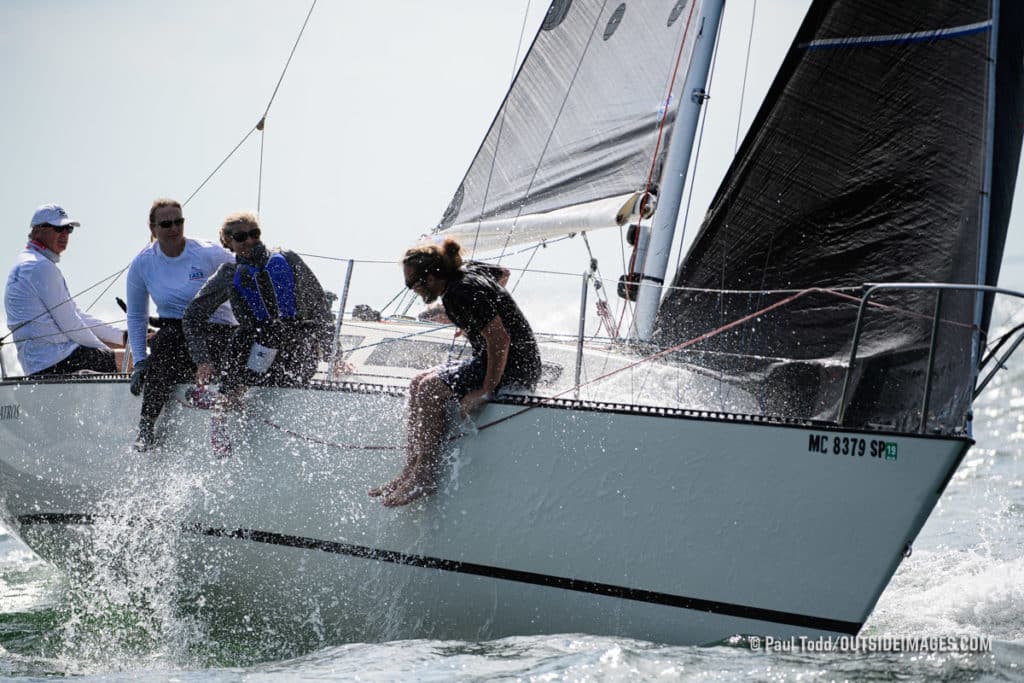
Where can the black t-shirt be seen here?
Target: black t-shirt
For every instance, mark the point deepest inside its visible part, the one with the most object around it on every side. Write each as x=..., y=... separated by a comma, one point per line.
x=495, y=272
x=471, y=301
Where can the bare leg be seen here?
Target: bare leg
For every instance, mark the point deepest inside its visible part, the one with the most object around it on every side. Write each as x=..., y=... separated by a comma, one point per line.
x=426, y=429
x=220, y=440
x=410, y=448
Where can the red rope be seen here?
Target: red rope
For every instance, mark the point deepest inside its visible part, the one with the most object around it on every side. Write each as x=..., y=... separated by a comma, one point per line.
x=303, y=437
x=654, y=156
x=662, y=353
x=340, y=446
x=647, y=359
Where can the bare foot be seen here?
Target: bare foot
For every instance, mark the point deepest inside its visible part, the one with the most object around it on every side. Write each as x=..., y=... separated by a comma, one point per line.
x=387, y=488
x=420, y=482
x=408, y=494
x=407, y=474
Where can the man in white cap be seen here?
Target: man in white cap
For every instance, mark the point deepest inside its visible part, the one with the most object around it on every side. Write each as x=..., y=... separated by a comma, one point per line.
x=52, y=334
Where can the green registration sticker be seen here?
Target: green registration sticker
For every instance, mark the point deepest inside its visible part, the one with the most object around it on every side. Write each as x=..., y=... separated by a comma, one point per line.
x=890, y=450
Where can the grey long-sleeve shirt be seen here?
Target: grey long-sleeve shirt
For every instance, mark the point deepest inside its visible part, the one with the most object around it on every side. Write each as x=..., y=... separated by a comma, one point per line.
x=310, y=303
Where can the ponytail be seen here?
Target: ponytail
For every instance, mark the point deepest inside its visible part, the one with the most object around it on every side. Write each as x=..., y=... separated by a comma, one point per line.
x=442, y=260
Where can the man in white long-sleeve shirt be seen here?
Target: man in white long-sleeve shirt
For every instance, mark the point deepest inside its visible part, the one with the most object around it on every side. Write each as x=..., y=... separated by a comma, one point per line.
x=53, y=335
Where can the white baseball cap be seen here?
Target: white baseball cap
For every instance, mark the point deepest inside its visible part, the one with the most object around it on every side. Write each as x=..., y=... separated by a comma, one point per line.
x=51, y=214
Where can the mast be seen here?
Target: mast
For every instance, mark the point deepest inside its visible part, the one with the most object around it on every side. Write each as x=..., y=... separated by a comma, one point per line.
x=673, y=179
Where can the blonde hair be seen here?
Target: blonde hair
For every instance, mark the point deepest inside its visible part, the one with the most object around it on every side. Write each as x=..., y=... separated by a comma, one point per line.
x=442, y=259
x=243, y=217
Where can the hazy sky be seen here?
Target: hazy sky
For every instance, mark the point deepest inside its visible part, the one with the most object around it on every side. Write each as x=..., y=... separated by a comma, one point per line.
x=110, y=104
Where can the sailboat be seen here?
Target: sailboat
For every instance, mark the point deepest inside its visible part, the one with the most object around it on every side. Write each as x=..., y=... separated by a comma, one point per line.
x=757, y=458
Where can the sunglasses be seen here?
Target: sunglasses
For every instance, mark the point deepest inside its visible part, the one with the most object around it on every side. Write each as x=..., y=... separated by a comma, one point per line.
x=62, y=228
x=412, y=284
x=243, y=235
x=166, y=224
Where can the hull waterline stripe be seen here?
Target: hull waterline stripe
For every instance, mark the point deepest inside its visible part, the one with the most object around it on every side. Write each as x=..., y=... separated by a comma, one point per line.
x=469, y=568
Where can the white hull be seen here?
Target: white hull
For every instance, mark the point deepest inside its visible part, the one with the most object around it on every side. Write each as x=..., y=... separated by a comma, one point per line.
x=565, y=517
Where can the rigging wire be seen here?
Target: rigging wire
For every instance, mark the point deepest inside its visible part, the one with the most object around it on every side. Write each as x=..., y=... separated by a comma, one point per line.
x=62, y=333
x=501, y=128
x=260, y=125
x=746, y=70
x=259, y=180
x=519, y=45
x=112, y=278
x=603, y=312
x=490, y=174
x=223, y=161
x=525, y=268
x=557, y=118
x=654, y=156
x=697, y=151
x=660, y=354
x=263, y=120
x=288, y=62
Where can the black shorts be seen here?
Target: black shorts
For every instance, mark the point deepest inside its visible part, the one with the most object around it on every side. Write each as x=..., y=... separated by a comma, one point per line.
x=464, y=376
x=83, y=358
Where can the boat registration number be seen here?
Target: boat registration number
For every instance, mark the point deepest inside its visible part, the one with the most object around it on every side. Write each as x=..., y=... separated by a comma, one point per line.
x=852, y=445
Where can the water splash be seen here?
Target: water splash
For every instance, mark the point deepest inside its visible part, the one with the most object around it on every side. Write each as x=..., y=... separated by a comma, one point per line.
x=122, y=601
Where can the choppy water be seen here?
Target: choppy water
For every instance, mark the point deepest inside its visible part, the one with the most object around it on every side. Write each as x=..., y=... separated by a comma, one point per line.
x=965, y=578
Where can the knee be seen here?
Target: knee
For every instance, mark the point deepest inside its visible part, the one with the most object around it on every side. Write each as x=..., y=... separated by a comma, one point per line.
x=417, y=382
x=428, y=387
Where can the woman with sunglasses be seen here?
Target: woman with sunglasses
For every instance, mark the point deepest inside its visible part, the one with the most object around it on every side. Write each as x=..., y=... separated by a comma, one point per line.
x=170, y=271
x=284, y=323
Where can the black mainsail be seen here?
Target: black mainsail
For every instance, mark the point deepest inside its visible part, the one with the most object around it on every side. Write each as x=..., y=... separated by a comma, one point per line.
x=866, y=163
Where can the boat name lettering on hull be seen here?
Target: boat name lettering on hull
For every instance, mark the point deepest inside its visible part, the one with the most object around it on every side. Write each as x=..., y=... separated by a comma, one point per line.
x=10, y=412
x=852, y=445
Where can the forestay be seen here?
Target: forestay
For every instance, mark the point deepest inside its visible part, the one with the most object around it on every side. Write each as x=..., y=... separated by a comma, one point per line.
x=583, y=127
x=866, y=163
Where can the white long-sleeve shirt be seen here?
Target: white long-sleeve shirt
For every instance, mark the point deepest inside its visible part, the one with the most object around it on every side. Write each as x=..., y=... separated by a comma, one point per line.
x=171, y=282
x=46, y=324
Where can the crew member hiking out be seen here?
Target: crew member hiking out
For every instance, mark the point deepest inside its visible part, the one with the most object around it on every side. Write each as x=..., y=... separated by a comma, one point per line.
x=504, y=354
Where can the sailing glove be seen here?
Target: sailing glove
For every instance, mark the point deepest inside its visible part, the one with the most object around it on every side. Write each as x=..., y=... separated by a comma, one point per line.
x=138, y=377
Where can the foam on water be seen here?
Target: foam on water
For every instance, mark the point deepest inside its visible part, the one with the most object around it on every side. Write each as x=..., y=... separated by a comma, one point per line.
x=954, y=592
x=121, y=606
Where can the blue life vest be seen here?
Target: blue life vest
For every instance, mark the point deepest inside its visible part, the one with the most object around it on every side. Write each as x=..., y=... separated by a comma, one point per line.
x=283, y=280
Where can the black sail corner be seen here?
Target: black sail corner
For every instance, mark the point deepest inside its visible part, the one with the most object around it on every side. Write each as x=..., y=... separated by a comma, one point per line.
x=866, y=163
